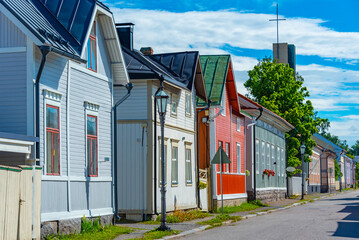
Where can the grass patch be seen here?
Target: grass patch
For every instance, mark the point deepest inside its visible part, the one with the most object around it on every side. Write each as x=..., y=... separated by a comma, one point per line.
x=244, y=207
x=293, y=196
x=155, y=234
x=219, y=219
x=181, y=216
x=346, y=189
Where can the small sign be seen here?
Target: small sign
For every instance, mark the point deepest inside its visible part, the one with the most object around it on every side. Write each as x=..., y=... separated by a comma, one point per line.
x=290, y=169
x=217, y=157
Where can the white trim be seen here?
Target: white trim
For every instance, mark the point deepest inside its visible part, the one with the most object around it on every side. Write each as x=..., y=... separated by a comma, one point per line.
x=68, y=136
x=232, y=196
x=93, y=113
x=52, y=95
x=21, y=26
x=53, y=216
x=92, y=106
x=15, y=146
x=238, y=127
x=271, y=188
x=13, y=49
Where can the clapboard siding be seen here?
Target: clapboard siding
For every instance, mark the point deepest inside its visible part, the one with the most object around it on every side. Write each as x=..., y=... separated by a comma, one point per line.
x=54, y=78
x=10, y=35
x=135, y=107
x=181, y=119
x=86, y=87
x=13, y=92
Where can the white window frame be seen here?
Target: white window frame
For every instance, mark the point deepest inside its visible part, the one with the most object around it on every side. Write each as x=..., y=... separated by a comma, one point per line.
x=223, y=102
x=159, y=161
x=188, y=104
x=52, y=98
x=188, y=147
x=238, y=124
x=239, y=158
x=228, y=154
x=283, y=161
x=174, y=99
x=92, y=109
x=174, y=143
x=268, y=155
x=263, y=155
x=279, y=162
x=257, y=156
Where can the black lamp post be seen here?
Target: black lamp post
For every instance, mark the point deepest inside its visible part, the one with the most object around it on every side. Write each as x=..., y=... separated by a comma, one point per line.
x=302, y=151
x=161, y=98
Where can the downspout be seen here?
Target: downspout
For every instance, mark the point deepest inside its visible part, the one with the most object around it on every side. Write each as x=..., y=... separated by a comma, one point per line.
x=129, y=87
x=254, y=154
x=155, y=147
x=198, y=190
x=286, y=159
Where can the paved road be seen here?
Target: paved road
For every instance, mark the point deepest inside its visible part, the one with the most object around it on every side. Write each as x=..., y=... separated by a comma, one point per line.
x=336, y=217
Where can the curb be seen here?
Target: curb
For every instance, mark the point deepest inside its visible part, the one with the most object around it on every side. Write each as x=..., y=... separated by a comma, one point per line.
x=203, y=228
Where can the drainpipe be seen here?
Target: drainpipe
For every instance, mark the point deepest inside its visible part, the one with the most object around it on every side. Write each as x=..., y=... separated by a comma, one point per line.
x=198, y=190
x=129, y=87
x=155, y=146
x=254, y=154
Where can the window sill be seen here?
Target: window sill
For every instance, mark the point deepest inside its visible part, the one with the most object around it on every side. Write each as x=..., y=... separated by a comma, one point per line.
x=173, y=115
x=174, y=185
x=189, y=184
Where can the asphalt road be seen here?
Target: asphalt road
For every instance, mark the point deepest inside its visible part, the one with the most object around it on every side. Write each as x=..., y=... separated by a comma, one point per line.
x=336, y=217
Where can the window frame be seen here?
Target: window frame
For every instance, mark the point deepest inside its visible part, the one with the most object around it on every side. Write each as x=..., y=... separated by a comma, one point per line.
x=223, y=102
x=188, y=104
x=188, y=147
x=89, y=42
x=52, y=130
x=92, y=137
x=174, y=99
x=166, y=161
x=228, y=165
x=220, y=144
x=238, y=124
x=174, y=144
x=257, y=156
x=239, y=167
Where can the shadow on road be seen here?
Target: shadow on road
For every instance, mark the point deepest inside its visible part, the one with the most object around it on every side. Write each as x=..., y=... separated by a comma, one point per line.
x=349, y=227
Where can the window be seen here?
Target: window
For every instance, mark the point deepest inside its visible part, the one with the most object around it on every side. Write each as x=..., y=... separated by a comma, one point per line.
x=174, y=176
x=279, y=162
x=273, y=157
x=220, y=144
x=188, y=104
x=238, y=158
x=223, y=103
x=91, y=50
x=173, y=105
x=227, y=166
x=160, y=164
x=268, y=156
x=283, y=162
x=188, y=164
x=52, y=140
x=238, y=124
x=92, y=163
x=257, y=156
x=263, y=156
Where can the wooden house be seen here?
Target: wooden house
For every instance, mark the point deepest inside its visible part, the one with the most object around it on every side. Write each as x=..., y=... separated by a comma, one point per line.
x=139, y=180
x=266, y=151
x=330, y=153
x=222, y=125
x=59, y=63
x=314, y=170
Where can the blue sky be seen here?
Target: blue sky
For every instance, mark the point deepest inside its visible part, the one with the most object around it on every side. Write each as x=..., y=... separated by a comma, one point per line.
x=325, y=32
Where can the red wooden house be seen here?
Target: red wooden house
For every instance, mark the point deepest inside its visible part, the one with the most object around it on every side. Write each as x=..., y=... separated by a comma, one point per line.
x=222, y=125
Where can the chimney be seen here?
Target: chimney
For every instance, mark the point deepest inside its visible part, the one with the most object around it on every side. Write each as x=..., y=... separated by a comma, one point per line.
x=125, y=34
x=146, y=50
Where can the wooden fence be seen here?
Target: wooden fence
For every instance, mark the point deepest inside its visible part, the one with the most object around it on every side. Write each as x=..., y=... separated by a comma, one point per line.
x=16, y=202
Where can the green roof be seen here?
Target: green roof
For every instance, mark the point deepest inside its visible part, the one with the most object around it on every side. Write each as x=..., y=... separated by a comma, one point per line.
x=214, y=68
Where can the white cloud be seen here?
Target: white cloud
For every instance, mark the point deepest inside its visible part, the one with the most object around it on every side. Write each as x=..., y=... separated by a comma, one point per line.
x=348, y=130
x=169, y=31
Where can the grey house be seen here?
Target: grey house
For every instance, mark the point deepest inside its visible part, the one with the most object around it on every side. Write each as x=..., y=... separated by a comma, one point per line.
x=58, y=65
x=266, y=151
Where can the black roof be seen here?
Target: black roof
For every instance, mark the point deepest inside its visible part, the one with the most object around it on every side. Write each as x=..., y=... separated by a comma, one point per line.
x=28, y=14
x=176, y=68
x=62, y=24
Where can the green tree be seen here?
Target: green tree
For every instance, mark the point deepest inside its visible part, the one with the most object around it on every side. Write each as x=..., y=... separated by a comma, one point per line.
x=355, y=149
x=337, y=170
x=277, y=88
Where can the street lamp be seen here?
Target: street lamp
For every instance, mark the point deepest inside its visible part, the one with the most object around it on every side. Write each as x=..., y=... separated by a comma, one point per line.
x=161, y=98
x=302, y=151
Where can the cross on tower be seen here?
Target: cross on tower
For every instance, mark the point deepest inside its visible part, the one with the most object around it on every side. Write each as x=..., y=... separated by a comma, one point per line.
x=277, y=20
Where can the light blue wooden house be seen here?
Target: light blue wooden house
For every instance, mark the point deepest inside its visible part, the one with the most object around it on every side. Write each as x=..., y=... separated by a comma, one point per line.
x=59, y=60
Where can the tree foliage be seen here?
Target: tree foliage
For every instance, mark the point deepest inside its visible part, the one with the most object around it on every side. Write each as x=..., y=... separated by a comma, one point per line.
x=276, y=87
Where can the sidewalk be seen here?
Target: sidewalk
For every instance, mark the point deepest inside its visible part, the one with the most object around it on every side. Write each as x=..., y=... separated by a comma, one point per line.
x=190, y=227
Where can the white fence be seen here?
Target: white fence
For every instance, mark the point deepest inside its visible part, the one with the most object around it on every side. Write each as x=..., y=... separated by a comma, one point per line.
x=17, y=211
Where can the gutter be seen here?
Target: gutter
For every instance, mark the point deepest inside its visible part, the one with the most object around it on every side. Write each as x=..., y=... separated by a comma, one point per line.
x=129, y=87
x=197, y=163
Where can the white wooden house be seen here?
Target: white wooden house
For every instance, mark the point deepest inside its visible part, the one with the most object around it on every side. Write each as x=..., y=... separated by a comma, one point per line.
x=57, y=84
x=139, y=131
